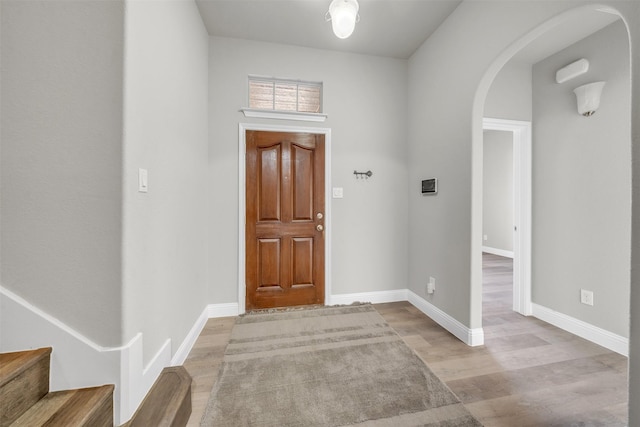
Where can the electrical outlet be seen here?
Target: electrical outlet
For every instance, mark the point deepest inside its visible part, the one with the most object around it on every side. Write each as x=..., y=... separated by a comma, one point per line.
x=586, y=297
x=485, y=237
x=431, y=286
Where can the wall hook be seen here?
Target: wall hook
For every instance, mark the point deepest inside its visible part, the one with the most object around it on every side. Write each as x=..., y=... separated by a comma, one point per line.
x=364, y=175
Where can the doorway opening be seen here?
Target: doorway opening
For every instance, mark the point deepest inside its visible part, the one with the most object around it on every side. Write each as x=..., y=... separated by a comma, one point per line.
x=519, y=133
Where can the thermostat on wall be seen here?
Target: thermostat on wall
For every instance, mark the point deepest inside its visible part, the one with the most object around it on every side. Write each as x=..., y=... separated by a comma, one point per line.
x=430, y=186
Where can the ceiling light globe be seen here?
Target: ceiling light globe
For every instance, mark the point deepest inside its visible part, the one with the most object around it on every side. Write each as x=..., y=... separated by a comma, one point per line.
x=343, y=17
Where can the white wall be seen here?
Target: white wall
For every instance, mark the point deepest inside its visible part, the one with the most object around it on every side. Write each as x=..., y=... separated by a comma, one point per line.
x=582, y=185
x=510, y=93
x=446, y=101
x=166, y=129
x=497, y=194
x=61, y=165
x=112, y=278
x=442, y=100
x=365, y=99
x=632, y=20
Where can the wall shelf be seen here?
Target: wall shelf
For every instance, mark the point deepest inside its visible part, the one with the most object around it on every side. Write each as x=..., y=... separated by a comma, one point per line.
x=284, y=115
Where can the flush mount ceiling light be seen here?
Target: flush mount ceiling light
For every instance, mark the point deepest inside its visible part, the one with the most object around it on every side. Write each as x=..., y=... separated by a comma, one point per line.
x=343, y=15
x=588, y=97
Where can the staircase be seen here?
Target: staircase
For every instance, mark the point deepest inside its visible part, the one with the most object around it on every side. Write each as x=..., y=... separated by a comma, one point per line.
x=25, y=399
x=168, y=403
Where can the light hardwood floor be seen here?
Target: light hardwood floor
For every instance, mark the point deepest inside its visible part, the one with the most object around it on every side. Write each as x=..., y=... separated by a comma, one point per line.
x=528, y=373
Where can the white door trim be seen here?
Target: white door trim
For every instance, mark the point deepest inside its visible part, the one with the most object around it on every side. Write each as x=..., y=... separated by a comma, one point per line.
x=242, y=129
x=522, y=183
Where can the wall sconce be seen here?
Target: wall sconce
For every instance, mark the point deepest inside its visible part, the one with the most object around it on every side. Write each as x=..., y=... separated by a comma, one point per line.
x=343, y=15
x=588, y=97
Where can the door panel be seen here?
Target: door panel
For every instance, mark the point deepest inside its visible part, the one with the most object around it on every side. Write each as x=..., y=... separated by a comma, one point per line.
x=284, y=219
x=302, y=262
x=269, y=261
x=302, y=165
x=269, y=182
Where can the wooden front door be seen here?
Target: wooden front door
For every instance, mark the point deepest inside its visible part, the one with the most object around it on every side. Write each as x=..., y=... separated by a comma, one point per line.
x=284, y=219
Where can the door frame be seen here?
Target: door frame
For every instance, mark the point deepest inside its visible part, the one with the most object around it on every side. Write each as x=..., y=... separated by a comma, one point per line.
x=242, y=220
x=522, y=182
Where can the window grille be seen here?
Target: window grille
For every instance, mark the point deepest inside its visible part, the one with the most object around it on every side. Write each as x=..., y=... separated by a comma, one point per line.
x=285, y=95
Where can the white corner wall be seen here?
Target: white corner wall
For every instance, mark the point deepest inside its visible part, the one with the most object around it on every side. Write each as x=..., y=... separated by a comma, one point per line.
x=582, y=185
x=165, y=132
x=365, y=100
x=61, y=195
x=444, y=76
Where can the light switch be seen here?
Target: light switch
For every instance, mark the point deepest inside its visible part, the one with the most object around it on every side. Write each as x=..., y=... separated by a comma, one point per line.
x=143, y=181
x=338, y=193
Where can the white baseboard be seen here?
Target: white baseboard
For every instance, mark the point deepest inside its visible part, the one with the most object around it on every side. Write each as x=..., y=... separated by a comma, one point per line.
x=76, y=361
x=222, y=310
x=471, y=337
x=210, y=312
x=136, y=379
x=496, y=251
x=187, y=344
x=378, y=297
x=597, y=335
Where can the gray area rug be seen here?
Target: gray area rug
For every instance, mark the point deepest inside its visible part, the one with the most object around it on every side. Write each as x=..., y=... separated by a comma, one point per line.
x=332, y=366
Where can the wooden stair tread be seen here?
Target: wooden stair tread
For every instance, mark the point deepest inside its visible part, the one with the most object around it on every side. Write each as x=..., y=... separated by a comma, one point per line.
x=12, y=364
x=24, y=379
x=91, y=406
x=168, y=403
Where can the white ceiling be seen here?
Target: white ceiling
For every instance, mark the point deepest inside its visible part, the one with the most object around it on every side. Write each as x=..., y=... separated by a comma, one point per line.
x=392, y=28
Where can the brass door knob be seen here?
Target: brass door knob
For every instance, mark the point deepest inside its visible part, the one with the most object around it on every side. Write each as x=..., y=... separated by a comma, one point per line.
x=319, y=227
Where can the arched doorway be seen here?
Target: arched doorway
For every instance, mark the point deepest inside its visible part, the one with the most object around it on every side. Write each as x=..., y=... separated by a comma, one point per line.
x=578, y=14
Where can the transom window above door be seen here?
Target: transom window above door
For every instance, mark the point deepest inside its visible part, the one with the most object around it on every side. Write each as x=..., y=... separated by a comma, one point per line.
x=285, y=95
x=297, y=98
